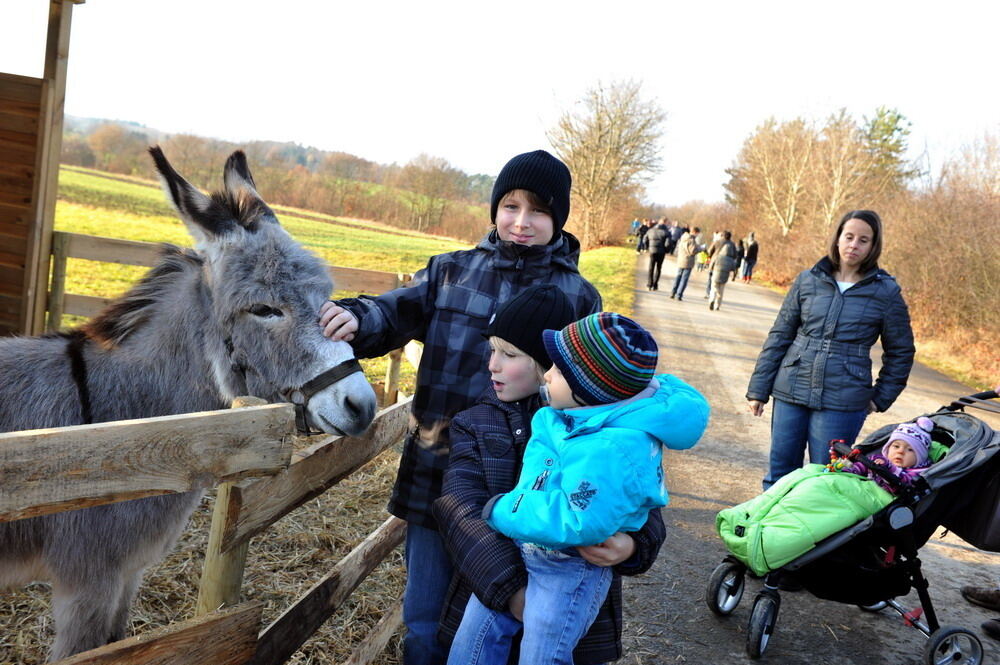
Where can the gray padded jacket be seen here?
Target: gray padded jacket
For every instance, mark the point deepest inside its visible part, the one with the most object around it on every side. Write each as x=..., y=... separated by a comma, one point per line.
x=817, y=353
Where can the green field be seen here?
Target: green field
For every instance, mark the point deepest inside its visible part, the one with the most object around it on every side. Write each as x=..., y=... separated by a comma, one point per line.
x=134, y=210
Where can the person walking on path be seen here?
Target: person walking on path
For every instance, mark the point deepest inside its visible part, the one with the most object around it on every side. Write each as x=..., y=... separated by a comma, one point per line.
x=657, y=239
x=641, y=245
x=447, y=306
x=721, y=268
x=815, y=361
x=750, y=257
x=741, y=251
x=687, y=250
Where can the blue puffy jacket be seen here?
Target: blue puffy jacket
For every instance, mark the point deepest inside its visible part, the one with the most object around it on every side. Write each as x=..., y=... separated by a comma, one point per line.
x=593, y=471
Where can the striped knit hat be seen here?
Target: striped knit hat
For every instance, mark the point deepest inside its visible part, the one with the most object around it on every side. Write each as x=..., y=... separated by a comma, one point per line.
x=605, y=357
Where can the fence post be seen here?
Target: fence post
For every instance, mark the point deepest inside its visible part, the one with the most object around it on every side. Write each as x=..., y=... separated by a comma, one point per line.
x=57, y=288
x=222, y=573
x=390, y=394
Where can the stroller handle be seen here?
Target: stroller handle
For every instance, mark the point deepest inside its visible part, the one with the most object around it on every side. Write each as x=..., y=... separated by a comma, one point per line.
x=972, y=400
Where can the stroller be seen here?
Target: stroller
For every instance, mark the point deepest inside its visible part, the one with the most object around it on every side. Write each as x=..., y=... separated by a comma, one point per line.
x=877, y=557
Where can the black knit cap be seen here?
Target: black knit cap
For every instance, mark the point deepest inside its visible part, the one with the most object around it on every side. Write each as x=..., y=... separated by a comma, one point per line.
x=522, y=319
x=537, y=172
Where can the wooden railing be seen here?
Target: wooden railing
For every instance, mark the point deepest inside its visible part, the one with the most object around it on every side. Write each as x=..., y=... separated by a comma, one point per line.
x=131, y=252
x=108, y=462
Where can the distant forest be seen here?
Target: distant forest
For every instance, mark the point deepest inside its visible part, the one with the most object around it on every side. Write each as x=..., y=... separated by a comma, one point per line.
x=427, y=194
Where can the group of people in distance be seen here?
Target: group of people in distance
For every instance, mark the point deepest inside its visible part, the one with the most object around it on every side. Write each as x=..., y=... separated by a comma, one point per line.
x=532, y=478
x=724, y=259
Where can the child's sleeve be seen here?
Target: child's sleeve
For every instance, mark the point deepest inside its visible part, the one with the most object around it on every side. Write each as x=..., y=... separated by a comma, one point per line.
x=590, y=504
x=389, y=321
x=488, y=560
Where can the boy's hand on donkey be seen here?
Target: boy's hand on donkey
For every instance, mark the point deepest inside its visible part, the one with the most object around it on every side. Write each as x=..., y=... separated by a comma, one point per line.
x=516, y=604
x=611, y=552
x=337, y=323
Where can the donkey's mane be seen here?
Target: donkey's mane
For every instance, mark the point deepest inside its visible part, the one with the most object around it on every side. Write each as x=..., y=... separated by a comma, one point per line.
x=245, y=207
x=124, y=316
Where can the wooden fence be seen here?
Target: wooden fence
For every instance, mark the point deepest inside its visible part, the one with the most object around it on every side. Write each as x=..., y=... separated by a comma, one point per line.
x=131, y=252
x=118, y=461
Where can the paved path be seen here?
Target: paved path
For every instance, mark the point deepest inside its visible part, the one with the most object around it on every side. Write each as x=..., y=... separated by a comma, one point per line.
x=666, y=617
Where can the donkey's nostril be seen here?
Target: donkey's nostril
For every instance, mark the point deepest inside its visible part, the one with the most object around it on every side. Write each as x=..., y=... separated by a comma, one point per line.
x=360, y=408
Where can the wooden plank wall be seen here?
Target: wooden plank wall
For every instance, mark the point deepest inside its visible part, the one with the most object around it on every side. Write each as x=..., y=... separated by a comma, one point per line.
x=20, y=110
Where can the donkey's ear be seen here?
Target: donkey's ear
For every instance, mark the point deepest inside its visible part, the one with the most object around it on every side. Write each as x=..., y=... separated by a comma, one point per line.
x=205, y=218
x=248, y=207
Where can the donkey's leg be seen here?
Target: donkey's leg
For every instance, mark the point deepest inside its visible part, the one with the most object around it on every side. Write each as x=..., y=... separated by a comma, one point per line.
x=83, y=614
x=119, y=618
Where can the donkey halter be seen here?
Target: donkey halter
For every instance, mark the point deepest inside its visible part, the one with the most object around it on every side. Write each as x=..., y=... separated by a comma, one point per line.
x=299, y=397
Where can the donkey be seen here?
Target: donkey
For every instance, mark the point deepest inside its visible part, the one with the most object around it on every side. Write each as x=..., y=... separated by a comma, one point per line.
x=238, y=315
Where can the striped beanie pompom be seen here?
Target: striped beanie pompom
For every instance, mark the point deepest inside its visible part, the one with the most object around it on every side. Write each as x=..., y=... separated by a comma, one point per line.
x=604, y=357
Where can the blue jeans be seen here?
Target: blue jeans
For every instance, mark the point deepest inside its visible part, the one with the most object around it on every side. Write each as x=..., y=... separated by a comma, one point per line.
x=563, y=597
x=794, y=426
x=428, y=572
x=748, y=269
x=681, y=281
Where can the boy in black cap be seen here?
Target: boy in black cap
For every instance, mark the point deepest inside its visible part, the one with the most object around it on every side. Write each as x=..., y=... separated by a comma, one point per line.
x=487, y=445
x=447, y=306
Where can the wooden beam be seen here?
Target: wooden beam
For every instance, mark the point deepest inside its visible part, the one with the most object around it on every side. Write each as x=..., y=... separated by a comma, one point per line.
x=111, y=250
x=52, y=470
x=220, y=638
x=49, y=145
x=267, y=500
x=222, y=572
x=374, y=644
x=290, y=631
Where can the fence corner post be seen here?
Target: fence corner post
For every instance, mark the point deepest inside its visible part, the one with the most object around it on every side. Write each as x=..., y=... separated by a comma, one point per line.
x=222, y=572
x=57, y=285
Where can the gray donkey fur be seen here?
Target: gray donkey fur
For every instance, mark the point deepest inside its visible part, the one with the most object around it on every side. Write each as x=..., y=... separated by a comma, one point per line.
x=162, y=349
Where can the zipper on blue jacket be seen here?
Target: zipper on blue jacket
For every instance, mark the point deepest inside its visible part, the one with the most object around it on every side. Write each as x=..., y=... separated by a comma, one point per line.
x=540, y=480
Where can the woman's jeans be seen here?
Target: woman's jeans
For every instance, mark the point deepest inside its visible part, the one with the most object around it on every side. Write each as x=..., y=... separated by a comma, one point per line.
x=561, y=602
x=794, y=426
x=748, y=268
x=428, y=573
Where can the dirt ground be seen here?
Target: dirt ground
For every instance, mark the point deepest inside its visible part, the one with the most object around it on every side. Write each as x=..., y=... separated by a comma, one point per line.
x=667, y=620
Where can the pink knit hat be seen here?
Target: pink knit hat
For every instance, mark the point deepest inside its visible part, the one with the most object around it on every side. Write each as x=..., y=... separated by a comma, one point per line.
x=917, y=434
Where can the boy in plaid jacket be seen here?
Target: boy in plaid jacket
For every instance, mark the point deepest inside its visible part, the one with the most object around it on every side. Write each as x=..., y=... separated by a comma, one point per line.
x=447, y=306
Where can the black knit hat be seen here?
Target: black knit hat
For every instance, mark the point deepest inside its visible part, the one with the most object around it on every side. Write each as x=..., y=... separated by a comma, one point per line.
x=537, y=172
x=522, y=319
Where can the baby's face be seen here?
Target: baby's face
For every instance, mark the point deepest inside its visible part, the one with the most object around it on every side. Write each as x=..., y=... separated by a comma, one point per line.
x=901, y=454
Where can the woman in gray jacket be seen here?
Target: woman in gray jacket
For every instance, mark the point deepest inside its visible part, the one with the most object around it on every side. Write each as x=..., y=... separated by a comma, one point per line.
x=815, y=361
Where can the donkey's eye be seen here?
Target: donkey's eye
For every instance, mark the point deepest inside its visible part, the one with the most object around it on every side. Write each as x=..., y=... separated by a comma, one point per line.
x=265, y=311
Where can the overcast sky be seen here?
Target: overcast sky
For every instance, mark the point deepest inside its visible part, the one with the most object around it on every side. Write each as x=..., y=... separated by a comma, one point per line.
x=477, y=82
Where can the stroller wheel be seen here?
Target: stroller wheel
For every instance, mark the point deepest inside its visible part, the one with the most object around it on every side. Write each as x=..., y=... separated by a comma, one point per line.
x=725, y=588
x=762, y=620
x=951, y=644
x=874, y=607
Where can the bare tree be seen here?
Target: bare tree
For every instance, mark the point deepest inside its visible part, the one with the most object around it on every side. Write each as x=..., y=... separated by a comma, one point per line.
x=611, y=148
x=772, y=171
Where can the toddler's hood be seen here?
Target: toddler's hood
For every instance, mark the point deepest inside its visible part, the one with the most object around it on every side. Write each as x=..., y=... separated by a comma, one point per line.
x=669, y=410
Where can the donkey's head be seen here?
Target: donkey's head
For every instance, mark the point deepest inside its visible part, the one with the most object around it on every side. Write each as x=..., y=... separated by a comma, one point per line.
x=266, y=292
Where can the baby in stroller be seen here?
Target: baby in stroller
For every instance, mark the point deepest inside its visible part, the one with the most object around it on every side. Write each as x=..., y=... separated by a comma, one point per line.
x=906, y=455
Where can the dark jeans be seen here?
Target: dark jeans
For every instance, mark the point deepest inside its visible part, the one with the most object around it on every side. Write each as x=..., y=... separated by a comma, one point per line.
x=428, y=572
x=655, y=265
x=795, y=427
x=681, y=282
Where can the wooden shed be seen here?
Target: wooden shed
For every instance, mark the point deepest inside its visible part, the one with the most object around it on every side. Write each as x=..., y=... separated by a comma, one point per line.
x=31, y=123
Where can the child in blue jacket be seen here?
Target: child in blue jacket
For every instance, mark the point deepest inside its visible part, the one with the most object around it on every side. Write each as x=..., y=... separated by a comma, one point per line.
x=593, y=467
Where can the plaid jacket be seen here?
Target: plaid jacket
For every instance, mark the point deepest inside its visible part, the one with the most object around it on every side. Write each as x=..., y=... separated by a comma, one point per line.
x=487, y=444
x=447, y=306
